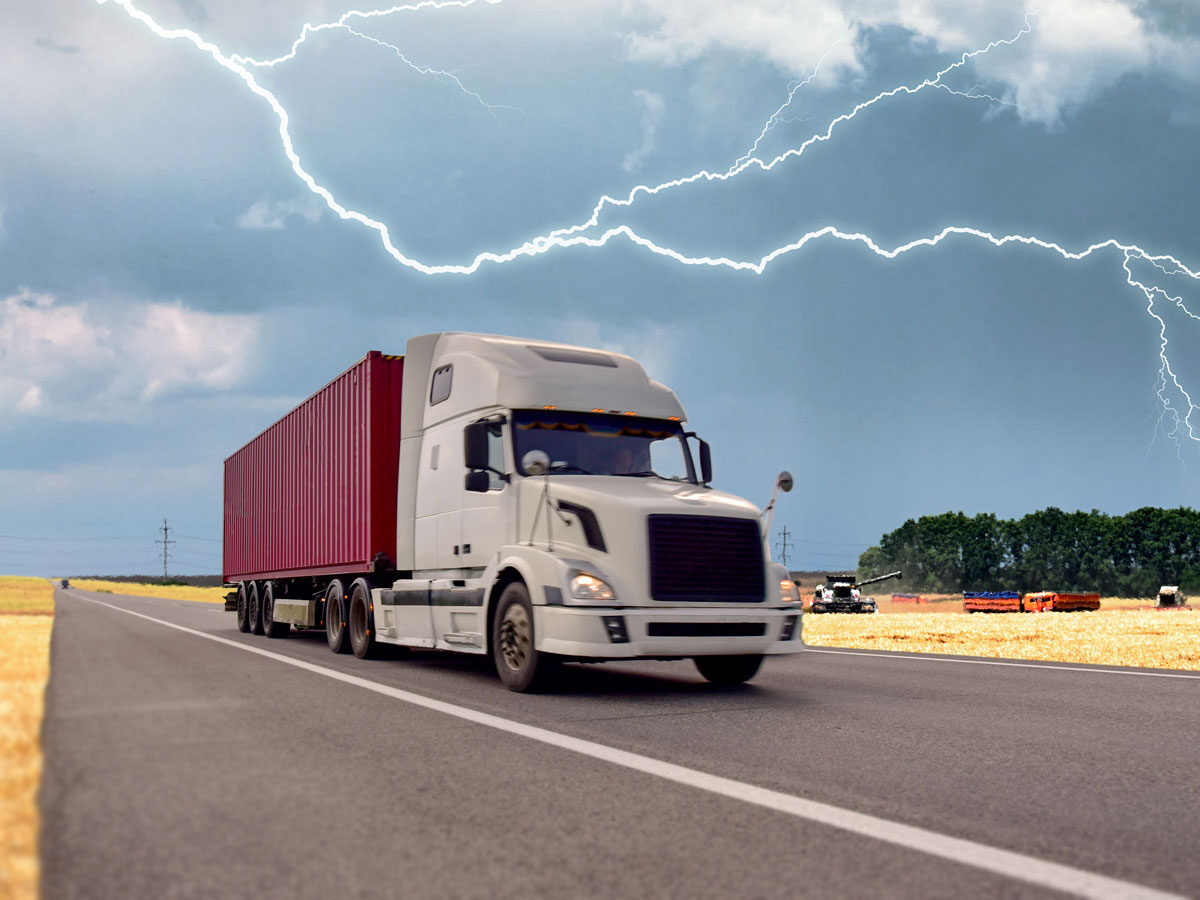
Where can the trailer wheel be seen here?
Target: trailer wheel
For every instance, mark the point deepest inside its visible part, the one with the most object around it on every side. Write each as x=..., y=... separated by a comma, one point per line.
x=243, y=608
x=362, y=622
x=271, y=628
x=256, y=622
x=518, y=662
x=728, y=670
x=335, y=618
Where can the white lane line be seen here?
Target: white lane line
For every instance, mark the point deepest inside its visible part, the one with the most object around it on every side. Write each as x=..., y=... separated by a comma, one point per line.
x=959, y=850
x=1055, y=667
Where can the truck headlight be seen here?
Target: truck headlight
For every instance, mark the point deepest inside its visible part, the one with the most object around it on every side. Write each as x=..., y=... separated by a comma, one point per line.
x=585, y=586
x=788, y=592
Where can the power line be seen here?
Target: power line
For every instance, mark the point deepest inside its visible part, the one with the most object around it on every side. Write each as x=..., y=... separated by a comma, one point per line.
x=75, y=540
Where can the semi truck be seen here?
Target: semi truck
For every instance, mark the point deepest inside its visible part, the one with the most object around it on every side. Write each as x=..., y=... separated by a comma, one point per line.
x=534, y=502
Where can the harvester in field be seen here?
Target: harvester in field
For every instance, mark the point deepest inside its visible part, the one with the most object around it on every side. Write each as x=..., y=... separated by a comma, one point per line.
x=841, y=593
x=1171, y=597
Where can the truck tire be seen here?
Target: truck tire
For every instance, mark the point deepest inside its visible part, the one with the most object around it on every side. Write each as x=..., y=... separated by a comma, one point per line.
x=336, y=632
x=243, y=608
x=256, y=622
x=518, y=662
x=361, y=622
x=728, y=670
x=271, y=628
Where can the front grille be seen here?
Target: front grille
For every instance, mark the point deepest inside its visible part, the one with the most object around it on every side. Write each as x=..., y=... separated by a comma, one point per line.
x=706, y=629
x=706, y=559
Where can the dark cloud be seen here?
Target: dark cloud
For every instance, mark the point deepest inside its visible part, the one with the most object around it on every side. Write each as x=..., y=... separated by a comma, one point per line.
x=1172, y=17
x=194, y=10
x=55, y=47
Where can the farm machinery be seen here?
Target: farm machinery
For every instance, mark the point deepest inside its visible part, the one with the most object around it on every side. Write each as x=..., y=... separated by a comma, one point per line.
x=1171, y=597
x=841, y=593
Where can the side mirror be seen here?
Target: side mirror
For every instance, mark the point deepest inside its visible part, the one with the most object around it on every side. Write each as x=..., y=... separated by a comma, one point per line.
x=477, y=482
x=475, y=445
x=705, y=463
x=784, y=481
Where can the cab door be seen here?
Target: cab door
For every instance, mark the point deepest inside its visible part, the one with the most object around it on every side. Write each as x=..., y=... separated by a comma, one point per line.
x=483, y=527
x=485, y=514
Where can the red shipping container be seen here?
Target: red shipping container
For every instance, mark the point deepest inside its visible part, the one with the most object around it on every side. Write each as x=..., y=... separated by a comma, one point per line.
x=315, y=494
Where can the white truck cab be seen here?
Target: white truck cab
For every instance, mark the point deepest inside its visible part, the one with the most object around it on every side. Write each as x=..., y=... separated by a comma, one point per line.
x=550, y=507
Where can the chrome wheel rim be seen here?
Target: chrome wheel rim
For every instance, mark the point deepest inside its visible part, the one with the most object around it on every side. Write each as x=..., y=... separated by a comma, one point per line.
x=516, y=637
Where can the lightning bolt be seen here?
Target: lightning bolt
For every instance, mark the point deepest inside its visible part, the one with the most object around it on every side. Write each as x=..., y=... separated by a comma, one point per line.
x=588, y=233
x=340, y=23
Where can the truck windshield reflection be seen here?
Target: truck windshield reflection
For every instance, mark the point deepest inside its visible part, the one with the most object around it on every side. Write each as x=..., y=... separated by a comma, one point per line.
x=604, y=444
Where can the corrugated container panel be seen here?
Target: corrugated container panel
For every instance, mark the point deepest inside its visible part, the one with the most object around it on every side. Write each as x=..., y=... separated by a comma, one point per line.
x=315, y=493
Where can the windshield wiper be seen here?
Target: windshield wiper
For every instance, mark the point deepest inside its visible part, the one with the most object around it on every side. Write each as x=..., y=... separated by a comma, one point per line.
x=645, y=473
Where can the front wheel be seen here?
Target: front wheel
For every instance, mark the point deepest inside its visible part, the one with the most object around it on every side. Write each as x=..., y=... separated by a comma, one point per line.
x=518, y=662
x=729, y=669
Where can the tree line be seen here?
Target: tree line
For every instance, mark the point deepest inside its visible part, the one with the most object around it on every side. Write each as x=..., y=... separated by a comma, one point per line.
x=1048, y=550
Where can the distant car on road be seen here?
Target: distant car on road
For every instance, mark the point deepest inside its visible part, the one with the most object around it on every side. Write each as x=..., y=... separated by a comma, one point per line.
x=66, y=583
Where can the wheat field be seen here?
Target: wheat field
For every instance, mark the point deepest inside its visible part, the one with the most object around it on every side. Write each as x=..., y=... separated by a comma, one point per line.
x=1147, y=638
x=24, y=669
x=166, y=591
x=19, y=593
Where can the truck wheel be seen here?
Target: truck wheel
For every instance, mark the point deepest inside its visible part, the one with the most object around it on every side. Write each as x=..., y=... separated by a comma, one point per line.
x=362, y=622
x=271, y=628
x=728, y=669
x=256, y=622
x=518, y=662
x=335, y=620
x=243, y=608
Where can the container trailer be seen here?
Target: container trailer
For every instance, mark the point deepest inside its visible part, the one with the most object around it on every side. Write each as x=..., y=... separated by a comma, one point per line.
x=531, y=501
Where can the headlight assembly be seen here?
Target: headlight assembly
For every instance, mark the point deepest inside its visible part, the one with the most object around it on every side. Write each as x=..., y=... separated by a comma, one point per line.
x=586, y=586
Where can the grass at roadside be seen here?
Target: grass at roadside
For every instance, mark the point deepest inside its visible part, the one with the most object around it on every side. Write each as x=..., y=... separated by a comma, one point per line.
x=24, y=668
x=166, y=591
x=1146, y=638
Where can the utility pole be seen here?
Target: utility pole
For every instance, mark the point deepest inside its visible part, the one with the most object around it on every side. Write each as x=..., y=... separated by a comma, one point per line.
x=784, y=545
x=166, y=542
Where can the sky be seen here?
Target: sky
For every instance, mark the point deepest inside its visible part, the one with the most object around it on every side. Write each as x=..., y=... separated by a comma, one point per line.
x=208, y=210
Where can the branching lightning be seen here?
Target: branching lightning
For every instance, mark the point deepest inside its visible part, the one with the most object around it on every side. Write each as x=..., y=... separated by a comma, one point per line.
x=589, y=233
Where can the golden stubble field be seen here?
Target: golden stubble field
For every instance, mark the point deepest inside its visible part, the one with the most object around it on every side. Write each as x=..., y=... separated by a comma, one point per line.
x=26, y=617
x=166, y=591
x=1121, y=635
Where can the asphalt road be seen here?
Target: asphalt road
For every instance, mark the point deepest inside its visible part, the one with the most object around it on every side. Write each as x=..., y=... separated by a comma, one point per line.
x=180, y=766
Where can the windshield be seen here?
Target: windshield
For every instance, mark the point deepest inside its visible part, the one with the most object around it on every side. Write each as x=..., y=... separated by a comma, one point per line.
x=603, y=444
